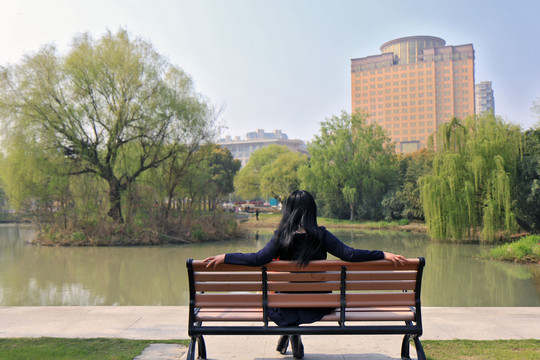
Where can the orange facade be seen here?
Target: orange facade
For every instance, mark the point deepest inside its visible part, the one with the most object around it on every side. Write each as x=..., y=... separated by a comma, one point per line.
x=410, y=93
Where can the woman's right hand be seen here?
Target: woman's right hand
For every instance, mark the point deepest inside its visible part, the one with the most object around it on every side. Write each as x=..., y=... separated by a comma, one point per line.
x=396, y=259
x=215, y=260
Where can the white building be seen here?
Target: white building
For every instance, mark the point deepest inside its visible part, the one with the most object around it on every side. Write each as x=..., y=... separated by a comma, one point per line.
x=483, y=97
x=242, y=149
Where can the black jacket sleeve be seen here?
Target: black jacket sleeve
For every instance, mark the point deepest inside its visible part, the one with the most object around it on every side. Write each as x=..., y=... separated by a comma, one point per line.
x=263, y=256
x=335, y=247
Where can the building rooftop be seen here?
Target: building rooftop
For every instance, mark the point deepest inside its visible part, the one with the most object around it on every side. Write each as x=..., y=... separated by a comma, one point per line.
x=436, y=41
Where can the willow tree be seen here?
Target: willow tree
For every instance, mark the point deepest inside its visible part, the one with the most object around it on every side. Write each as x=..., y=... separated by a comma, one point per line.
x=113, y=106
x=474, y=171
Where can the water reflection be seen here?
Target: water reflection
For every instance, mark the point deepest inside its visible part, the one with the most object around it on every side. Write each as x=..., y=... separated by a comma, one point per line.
x=34, y=275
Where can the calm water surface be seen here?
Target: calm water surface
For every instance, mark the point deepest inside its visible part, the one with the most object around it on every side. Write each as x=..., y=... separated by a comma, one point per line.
x=35, y=275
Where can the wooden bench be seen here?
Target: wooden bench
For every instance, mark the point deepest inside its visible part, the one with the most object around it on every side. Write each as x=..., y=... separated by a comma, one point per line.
x=373, y=297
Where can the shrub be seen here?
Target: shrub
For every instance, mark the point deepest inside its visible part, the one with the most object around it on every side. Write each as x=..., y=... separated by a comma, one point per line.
x=403, y=222
x=526, y=249
x=197, y=233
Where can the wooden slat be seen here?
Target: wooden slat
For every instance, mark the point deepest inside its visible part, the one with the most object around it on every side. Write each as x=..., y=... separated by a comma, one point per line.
x=336, y=276
x=229, y=316
x=228, y=276
x=318, y=265
x=382, y=275
x=200, y=266
x=333, y=300
x=303, y=300
x=228, y=300
x=371, y=316
x=356, y=314
x=380, y=299
x=335, y=285
x=223, y=309
x=304, y=286
x=228, y=286
x=381, y=285
x=379, y=308
x=304, y=276
x=335, y=265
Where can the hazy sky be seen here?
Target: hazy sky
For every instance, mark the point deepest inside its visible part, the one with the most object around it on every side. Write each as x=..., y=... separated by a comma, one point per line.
x=285, y=64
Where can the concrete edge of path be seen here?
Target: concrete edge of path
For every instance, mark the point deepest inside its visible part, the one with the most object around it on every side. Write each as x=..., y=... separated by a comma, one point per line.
x=170, y=322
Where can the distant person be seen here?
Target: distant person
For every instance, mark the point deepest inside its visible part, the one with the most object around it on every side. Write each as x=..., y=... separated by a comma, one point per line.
x=300, y=239
x=257, y=214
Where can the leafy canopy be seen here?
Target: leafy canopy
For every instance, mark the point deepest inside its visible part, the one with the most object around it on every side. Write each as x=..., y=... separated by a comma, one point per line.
x=473, y=174
x=113, y=106
x=352, y=163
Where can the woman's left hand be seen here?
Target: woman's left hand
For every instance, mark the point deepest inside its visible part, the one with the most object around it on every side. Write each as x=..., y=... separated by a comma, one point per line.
x=396, y=259
x=215, y=260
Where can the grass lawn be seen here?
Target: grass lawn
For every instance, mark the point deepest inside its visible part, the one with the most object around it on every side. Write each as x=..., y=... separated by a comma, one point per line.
x=524, y=250
x=271, y=222
x=74, y=349
x=481, y=350
x=116, y=349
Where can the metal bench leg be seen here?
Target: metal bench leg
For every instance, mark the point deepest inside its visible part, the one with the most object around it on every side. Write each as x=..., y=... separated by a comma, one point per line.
x=201, y=347
x=191, y=349
x=419, y=349
x=405, y=355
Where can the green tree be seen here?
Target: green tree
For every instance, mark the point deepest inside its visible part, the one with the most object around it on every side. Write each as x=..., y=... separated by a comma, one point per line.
x=114, y=106
x=220, y=168
x=279, y=178
x=474, y=171
x=352, y=166
x=405, y=201
x=535, y=108
x=35, y=178
x=247, y=182
x=527, y=189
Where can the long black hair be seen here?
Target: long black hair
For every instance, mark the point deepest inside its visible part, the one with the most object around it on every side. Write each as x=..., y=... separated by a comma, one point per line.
x=299, y=215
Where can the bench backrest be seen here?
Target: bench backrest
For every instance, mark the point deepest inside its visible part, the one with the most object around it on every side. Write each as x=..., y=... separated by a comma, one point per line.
x=324, y=283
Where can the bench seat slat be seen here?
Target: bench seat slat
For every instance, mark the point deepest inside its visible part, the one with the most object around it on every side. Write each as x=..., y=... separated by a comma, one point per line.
x=352, y=309
x=366, y=314
x=305, y=300
x=228, y=300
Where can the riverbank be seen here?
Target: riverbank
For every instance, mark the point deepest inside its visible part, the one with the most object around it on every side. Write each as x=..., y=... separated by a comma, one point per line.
x=197, y=228
x=525, y=250
x=270, y=222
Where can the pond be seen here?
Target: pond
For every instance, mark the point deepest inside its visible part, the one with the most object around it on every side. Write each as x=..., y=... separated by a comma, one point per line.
x=37, y=275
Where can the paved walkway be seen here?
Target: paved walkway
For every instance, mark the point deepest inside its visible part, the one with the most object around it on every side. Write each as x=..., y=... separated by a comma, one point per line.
x=170, y=322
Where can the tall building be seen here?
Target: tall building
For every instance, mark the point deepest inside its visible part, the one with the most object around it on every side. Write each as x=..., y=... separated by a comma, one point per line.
x=484, y=99
x=242, y=149
x=417, y=83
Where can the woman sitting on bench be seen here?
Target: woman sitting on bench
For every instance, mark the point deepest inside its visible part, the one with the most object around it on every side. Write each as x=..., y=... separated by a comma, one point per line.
x=298, y=238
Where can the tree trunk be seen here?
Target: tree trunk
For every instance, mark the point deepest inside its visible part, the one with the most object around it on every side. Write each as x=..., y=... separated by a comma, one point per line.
x=352, y=212
x=115, y=199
